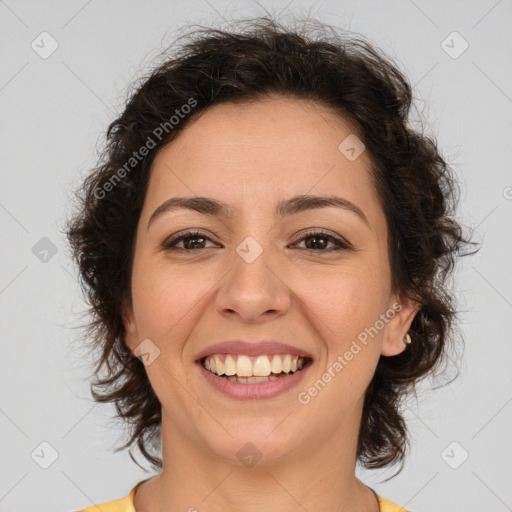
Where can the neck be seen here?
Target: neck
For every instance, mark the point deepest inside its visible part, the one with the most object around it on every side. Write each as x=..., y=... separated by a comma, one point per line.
x=321, y=478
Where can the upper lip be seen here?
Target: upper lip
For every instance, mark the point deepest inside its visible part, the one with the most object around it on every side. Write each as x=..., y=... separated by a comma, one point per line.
x=252, y=348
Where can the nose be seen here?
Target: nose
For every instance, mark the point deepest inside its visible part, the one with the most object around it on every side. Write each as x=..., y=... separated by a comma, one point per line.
x=253, y=291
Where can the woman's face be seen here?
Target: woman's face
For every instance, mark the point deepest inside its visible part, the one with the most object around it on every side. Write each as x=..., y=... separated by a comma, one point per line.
x=257, y=273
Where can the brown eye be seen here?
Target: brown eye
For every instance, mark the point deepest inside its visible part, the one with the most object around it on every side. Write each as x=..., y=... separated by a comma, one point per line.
x=191, y=239
x=317, y=241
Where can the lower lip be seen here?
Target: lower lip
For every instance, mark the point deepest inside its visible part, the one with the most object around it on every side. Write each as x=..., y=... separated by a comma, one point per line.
x=257, y=391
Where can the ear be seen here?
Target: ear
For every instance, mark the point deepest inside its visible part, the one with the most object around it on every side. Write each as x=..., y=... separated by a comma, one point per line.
x=130, y=327
x=396, y=328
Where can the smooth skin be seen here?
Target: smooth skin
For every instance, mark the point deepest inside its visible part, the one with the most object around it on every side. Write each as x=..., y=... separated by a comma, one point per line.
x=251, y=156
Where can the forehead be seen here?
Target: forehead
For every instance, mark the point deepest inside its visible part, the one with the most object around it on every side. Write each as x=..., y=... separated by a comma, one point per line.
x=254, y=154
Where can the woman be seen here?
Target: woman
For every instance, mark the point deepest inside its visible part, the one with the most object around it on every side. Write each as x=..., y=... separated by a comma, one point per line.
x=264, y=246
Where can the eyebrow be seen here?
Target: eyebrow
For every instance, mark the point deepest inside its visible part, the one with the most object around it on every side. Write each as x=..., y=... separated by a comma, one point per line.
x=293, y=206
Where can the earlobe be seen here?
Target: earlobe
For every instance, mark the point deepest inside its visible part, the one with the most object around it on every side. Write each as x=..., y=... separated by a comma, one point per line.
x=396, y=333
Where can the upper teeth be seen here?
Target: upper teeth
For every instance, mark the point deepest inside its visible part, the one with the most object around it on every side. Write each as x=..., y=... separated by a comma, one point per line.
x=244, y=366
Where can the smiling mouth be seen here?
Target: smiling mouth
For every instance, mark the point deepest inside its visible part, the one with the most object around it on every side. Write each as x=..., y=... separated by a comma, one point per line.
x=254, y=370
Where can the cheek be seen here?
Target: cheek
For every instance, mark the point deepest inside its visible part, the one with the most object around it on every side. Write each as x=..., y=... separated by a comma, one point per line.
x=165, y=302
x=153, y=298
x=343, y=309
x=345, y=302
x=168, y=300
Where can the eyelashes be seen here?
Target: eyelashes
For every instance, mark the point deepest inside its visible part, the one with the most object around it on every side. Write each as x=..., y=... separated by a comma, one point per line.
x=339, y=244
x=316, y=234
x=170, y=243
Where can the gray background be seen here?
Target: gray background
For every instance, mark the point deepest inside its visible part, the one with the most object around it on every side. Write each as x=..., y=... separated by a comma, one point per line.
x=54, y=109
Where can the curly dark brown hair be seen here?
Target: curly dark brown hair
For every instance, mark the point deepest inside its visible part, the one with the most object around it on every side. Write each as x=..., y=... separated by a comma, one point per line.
x=415, y=185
